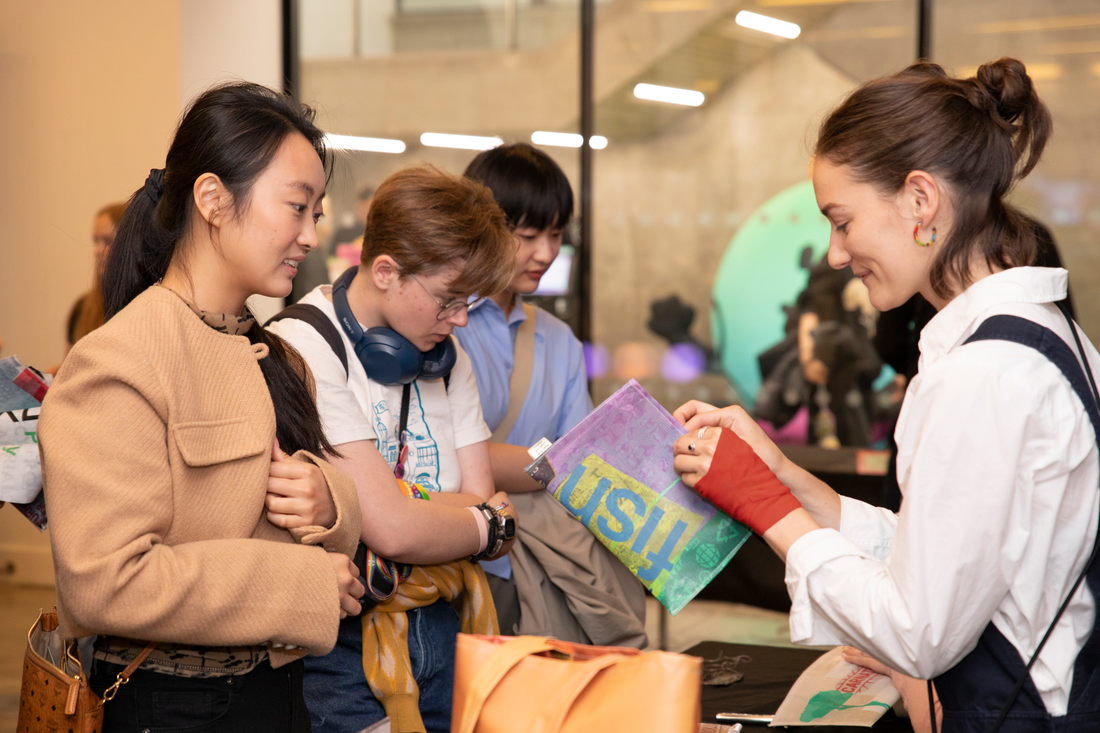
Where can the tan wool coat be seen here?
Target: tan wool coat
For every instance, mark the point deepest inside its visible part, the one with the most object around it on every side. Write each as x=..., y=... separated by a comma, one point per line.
x=156, y=444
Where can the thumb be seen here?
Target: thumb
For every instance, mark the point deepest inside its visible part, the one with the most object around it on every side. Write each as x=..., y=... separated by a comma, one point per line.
x=277, y=452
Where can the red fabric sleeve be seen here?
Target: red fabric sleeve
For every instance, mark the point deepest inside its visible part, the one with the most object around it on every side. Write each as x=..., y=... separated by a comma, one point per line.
x=741, y=485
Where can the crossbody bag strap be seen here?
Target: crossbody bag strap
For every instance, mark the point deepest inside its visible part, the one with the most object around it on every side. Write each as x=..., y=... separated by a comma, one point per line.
x=403, y=420
x=523, y=365
x=124, y=676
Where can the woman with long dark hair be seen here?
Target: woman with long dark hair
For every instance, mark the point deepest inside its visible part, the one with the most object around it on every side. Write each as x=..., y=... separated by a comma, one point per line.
x=180, y=526
x=997, y=455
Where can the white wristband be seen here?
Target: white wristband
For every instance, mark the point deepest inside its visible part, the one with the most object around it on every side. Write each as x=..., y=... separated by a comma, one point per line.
x=482, y=529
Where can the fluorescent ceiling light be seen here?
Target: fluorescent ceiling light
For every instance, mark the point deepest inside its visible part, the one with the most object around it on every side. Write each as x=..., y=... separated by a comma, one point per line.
x=567, y=140
x=367, y=144
x=672, y=95
x=462, y=142
x=763, y=23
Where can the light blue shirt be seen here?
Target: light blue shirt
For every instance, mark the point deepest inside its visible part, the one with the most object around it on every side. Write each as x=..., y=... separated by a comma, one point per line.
x=558, y=396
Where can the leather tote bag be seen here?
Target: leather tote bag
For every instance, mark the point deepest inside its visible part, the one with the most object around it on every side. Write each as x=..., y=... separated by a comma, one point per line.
x=543, y=685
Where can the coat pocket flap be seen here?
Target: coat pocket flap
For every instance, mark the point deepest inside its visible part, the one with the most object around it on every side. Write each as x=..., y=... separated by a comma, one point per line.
x=210, y=442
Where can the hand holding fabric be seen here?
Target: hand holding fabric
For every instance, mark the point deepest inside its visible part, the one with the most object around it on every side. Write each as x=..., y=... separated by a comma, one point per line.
x=297, y=493
x=348, y=585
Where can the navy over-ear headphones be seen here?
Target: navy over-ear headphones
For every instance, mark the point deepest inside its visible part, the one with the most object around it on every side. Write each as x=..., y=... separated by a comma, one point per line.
x=389, y=357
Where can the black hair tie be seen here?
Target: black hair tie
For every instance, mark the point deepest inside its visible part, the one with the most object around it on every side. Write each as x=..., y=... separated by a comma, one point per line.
x=154, y=184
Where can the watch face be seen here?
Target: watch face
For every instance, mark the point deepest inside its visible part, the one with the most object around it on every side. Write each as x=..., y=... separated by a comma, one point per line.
x=509, y=528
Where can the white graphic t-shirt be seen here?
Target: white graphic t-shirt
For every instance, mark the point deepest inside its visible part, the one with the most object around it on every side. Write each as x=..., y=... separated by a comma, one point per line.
x=441, y=419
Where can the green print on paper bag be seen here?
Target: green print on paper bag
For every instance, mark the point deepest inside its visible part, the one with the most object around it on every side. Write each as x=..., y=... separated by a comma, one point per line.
x=827, y=701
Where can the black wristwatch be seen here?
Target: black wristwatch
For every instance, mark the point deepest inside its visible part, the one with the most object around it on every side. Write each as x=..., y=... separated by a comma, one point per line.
x=506, y=525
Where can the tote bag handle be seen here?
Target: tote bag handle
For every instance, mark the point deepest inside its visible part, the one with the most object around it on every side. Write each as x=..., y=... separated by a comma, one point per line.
x=511, y=653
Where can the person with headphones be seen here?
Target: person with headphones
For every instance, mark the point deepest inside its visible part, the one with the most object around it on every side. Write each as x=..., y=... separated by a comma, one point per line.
x=399, y=402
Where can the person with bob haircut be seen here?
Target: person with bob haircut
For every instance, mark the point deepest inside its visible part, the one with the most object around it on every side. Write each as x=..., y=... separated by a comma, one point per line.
x=558, y=581
x=192, y=520
x=398, y=400
x=997, y=455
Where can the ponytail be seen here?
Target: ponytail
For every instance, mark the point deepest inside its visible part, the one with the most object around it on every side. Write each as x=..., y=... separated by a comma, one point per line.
x=143, y=246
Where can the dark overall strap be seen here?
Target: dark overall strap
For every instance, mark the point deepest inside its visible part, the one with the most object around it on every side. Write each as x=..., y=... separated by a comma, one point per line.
x=975, y=690
x=315, y=317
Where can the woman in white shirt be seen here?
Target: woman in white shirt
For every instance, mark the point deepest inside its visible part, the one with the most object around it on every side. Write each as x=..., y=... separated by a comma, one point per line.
x=997, y=456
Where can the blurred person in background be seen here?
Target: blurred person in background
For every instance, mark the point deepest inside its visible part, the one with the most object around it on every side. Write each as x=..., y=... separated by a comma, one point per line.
x=87, y=312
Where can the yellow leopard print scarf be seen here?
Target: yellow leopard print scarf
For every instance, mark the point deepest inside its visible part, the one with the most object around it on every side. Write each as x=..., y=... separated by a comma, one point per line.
x=386, y=661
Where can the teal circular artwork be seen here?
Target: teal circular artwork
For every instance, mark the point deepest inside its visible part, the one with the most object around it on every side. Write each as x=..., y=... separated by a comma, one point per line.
x=759, y=274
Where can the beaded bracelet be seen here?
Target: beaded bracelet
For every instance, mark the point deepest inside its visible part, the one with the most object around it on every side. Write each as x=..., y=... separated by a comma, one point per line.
x=413, y=491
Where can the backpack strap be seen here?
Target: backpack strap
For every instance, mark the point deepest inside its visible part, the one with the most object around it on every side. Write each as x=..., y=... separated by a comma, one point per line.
x=1049, y=344
x=316, y=318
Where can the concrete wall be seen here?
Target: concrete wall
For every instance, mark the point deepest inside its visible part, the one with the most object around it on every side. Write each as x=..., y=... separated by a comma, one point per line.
x=666, y=209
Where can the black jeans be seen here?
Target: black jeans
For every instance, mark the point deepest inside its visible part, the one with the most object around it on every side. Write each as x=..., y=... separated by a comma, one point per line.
x=264, y=699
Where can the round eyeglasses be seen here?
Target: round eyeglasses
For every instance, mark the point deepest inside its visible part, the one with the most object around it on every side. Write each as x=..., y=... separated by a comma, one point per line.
x=450, y=309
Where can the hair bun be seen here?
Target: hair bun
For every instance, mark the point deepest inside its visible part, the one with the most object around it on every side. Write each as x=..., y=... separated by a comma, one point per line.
x=1003, y=90
x=1008, y=87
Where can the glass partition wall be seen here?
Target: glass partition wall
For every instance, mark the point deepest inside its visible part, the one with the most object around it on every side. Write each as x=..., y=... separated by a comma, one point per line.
x=678, y=183
x=703, y=228
x=434, y=81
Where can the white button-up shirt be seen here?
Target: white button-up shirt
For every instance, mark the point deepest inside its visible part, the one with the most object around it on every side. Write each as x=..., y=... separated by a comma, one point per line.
x=998, y=467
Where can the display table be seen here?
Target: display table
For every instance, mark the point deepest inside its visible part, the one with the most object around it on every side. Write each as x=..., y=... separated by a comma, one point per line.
x=769, y=672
